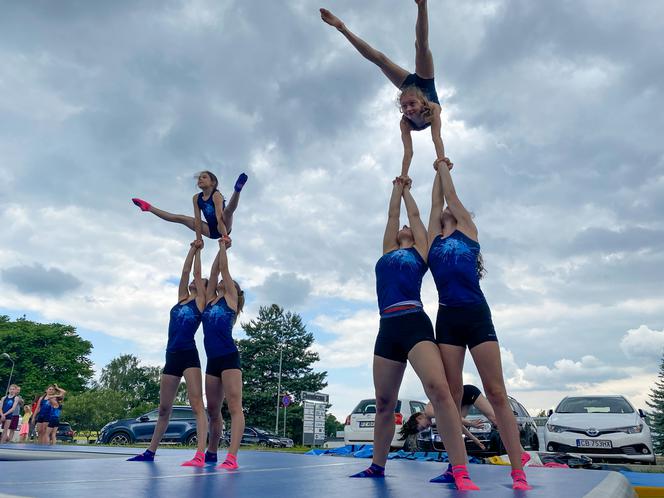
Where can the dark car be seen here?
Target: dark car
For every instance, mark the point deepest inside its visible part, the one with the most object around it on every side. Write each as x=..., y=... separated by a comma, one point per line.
x=181, y=428
x=65, y=433
x=254, y=435
x=430, y=440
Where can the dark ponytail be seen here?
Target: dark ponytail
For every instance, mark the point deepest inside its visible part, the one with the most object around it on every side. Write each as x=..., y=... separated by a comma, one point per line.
x=410, y=427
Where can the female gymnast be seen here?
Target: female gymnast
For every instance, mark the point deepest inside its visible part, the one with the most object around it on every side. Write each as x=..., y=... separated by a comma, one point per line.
x=182, y=360
x=406, y=334
x=218, y=216
x=223, y=375
x=464, y=319
x=418, y=100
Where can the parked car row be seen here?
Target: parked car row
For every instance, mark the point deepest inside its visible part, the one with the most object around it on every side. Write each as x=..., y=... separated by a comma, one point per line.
x=181, y=429
x=601, y=427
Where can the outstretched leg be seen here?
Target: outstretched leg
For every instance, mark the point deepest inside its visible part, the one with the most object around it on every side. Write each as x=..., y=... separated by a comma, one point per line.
x=187, y=221
x=395, y=73
x=423, y=56
x=234, y=201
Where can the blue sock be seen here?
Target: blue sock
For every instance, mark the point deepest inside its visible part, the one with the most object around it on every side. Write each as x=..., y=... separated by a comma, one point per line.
x=446, y=477
x=210, y=457
x=373, y=471
x=241, y=180
x=146, y=456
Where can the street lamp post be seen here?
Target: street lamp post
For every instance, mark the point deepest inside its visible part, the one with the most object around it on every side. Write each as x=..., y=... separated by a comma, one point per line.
x=276, y=420
x=9, y=382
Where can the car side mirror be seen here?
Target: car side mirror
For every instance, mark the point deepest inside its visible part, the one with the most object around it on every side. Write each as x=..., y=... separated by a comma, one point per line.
x=549, y=413
x=143, y=418
x=642, y=413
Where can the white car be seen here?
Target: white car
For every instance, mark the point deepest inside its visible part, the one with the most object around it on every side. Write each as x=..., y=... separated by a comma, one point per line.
x=601, y=427
x=359, y=427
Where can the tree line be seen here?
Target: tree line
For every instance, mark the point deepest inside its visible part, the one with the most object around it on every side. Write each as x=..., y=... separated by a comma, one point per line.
x=126, y=388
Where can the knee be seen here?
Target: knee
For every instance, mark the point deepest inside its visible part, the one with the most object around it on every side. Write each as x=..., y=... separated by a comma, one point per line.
x=421, y=46
x=497, y=395
x=235, y=406
x=438, y=392
x=385, y=405
x=197, y=405
x=165, y=411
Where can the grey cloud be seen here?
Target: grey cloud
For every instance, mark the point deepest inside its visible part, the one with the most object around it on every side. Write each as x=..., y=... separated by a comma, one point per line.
x=285, y=289
x=37, y=279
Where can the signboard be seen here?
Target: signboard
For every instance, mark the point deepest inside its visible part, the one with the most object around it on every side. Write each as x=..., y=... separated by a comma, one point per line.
x=313, y=427
x=286, y=400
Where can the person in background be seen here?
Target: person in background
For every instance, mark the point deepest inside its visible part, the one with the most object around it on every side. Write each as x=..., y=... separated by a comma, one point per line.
x=10, y=413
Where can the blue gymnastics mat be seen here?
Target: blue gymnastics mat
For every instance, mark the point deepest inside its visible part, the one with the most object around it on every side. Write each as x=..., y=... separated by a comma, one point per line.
x=101, y=472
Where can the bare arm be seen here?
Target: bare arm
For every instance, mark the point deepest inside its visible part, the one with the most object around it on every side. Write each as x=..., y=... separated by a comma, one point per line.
x=197, y=219
x=218, y=201
x=211, y=293
x=436, y=132
x=183, y=291
x=472, y=437
x=407, y=140
x=437, y=205
x=61, y=392
x=416, y=225
x=392, y=227
x=464, y=220
x=230, y=291
x=198, y=281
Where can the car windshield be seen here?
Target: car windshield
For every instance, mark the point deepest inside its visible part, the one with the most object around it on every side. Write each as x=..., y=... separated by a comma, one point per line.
x=369, y=406
x=265, y=433
x=594, y=404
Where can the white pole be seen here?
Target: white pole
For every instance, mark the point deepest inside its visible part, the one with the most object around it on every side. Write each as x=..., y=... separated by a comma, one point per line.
x=276, y=421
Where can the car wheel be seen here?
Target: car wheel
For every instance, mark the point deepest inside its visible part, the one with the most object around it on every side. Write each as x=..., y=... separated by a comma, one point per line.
x=262, y=443
x=191, y=440
x=120, y=438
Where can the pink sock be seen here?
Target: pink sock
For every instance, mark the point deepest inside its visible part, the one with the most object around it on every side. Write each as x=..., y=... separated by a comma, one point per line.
x=525, y=458
x=462, y=479
x=145, y=206
x=230, y=463
x=519, y=480
x=197, y=461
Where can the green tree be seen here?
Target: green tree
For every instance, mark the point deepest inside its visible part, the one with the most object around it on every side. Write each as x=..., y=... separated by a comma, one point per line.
x=139, y=385
x=91, y=410
x=44, y=354
x=332, y=426
x=266, y=335
x=656, y=403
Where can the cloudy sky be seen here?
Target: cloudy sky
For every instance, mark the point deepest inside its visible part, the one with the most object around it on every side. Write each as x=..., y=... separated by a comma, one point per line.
x=552, y=113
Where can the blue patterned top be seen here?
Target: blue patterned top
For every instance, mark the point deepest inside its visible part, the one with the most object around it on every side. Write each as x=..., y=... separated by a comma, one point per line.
x=399, y=281
x=218, y=321
x=182, y=327
x=209, y=213
x=453, y=263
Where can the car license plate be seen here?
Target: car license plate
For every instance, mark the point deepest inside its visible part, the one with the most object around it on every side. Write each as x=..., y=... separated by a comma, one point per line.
x=367, y=423
x=593, y=443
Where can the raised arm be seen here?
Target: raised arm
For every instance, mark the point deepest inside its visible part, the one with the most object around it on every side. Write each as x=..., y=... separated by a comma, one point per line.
x=392, y=228
x=437, y=204
x=198, y=281
x=183, y=291
x=60, y=392
x=197, y=219
x=464, y=220
x=407, y=141
x=416, y=225
x=211, y=292
x=230, y=291
x=436, y=132
x=218, y=201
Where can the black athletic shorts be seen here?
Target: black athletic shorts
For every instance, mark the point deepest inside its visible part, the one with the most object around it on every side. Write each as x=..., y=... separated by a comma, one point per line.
x=465, y=326
x=470, y=395
x=397, y=335
x=54, y=422
x=42, y=418
x=178, y=361
x=218, y=364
